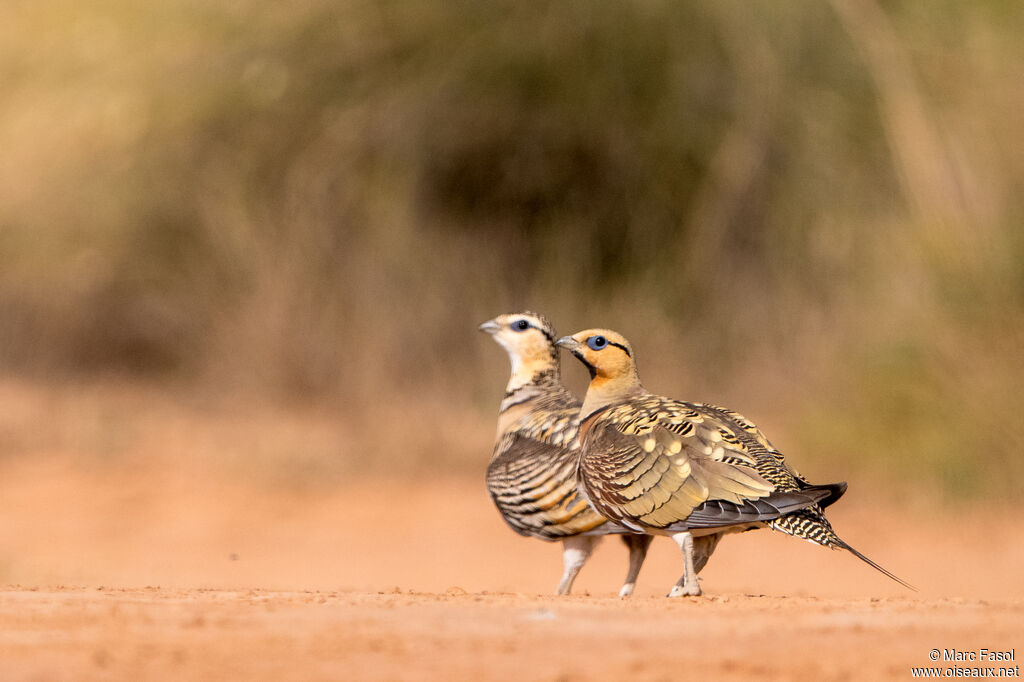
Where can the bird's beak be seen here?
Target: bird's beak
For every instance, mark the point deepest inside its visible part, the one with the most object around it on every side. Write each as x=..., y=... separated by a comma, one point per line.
x=568, y=343
x=489, y=327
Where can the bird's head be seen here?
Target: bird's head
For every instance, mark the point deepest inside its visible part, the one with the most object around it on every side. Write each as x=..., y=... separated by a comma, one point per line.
x=609, y=358
x=529, y=340
x=605, y=353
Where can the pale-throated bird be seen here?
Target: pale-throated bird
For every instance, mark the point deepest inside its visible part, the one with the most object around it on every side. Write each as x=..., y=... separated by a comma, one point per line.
x=532, y=473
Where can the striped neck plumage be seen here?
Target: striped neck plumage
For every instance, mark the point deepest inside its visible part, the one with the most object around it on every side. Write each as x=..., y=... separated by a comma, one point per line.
x=524, y=385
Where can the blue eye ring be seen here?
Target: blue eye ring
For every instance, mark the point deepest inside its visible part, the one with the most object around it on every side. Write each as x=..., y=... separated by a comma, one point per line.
x=597, y=342
x=520, y=325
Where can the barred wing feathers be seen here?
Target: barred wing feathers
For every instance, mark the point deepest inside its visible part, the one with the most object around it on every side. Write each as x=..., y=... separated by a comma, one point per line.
x=533, y=484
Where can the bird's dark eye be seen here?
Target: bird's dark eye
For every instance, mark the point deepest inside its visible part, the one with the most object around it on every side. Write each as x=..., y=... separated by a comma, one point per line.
x=597, y=342
x=520, y=325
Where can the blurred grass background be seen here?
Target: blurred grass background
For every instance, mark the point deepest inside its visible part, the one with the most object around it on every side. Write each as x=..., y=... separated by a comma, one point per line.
x=289, y=218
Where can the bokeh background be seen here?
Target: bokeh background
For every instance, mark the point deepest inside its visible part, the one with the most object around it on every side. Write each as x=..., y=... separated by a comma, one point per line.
x=250, y=242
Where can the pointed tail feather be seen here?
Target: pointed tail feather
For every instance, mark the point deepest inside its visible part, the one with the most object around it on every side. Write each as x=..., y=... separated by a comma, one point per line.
x=875, y=566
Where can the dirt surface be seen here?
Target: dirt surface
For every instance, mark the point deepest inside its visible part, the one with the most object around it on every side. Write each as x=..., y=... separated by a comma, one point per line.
x=161, y=575
x=255, y=634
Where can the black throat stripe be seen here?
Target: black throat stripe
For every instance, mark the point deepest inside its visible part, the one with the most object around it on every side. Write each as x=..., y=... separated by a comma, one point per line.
x=590, y=367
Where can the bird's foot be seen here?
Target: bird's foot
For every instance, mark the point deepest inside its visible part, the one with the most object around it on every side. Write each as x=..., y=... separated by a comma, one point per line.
x=685, y=591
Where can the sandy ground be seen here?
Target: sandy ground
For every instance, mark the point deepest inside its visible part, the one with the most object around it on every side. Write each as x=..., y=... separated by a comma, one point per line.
x=254, y=634
x=160, y=574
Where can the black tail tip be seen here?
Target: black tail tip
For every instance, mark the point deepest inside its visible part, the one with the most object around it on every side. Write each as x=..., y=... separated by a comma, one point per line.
x=878, y=568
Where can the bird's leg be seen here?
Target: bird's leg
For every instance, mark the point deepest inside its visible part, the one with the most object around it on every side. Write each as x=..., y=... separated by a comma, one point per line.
x=702, y=549
x=638, y=546
x=687, y=585
x=575, y=552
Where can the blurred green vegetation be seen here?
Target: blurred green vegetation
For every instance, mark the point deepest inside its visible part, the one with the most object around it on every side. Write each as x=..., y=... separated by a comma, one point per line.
x=811, y=212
